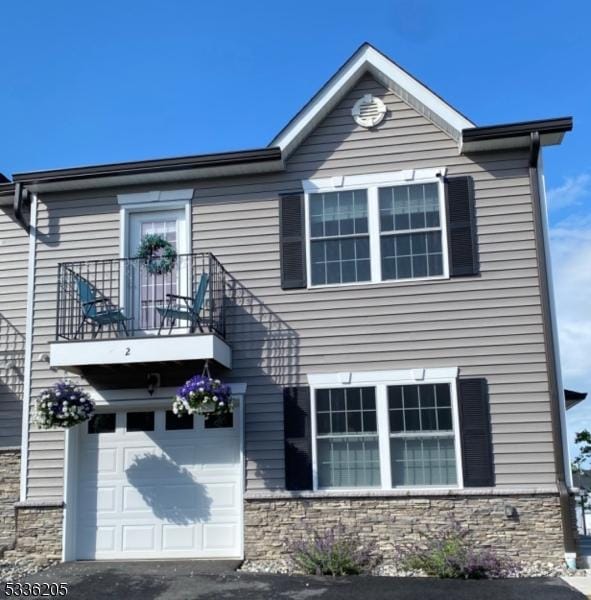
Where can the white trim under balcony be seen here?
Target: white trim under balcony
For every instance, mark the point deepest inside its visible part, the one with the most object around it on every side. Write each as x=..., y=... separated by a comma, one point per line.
x=149, y=349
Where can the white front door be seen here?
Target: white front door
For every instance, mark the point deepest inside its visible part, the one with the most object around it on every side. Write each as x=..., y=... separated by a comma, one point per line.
x=151, y=485
x=148, y=290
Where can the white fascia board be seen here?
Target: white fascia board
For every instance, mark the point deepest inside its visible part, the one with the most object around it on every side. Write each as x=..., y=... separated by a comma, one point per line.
x=415, y=88
x=155, y=196
x=376, y=377
x=125, y=351
x=328, y=184
x=365, y=59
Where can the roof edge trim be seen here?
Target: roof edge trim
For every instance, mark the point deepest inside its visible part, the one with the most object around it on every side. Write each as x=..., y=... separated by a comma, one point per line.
x=365, y=58
x=219, y=159
x=506, y=130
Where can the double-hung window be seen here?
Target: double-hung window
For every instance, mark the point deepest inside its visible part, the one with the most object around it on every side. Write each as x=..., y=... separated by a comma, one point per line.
x=376, y=228
x=410, y=231
x=347, y=438
x=339, y=237
x=422, y=441
x=386, y=436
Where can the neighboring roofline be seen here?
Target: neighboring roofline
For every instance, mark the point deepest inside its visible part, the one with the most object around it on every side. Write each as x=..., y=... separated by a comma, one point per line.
x=201, y=161
x=572, y=395
x=6, y=193
x=573, y=398
x=507, y=130
x=366, y=59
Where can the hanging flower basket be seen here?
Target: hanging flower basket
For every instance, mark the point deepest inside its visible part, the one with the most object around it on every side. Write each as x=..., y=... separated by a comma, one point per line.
x=63, y=405
x=157, y=254
x=203, y=395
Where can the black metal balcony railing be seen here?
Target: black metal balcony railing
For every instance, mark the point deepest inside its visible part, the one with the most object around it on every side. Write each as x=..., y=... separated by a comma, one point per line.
x=106, y=299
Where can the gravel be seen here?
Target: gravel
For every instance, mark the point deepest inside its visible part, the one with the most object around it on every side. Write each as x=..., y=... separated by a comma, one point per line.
x=18, y=569
x=538, y=569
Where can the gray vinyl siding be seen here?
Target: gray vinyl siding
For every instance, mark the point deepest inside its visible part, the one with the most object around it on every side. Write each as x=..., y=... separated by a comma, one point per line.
x=489, y=326
x=14, y=247
x=72, y=229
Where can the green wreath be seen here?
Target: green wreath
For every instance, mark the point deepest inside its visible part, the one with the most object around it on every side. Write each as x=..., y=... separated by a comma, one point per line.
x=157, y=254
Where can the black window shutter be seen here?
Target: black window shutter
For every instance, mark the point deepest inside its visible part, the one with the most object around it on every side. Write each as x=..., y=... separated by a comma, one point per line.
x=298, y=439
x=293, y=241
x=461, y=227
x=477, y=456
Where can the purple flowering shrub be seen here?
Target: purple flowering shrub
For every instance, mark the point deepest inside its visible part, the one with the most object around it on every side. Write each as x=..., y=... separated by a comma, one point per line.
x=203, y=395
x=448, y=553
x=334, y=552
x=63, y=405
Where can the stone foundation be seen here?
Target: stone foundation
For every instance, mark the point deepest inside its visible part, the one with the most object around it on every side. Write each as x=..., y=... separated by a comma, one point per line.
x=38, y=534
x=533, y=534
x=10, y=464
x=28, y=532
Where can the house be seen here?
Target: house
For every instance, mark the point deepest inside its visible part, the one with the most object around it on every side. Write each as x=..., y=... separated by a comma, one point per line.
x=379, y=298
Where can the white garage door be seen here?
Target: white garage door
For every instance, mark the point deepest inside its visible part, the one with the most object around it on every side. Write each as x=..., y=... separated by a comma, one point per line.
x=151, y=485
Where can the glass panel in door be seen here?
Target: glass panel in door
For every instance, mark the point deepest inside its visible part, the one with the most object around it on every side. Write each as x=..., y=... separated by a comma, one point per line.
x=149, y=290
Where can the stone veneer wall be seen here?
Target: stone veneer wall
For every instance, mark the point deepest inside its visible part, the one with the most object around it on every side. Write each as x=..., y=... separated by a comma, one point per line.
x=27, y=532
x=38, y=534
x=534, y=534
x=10, y=464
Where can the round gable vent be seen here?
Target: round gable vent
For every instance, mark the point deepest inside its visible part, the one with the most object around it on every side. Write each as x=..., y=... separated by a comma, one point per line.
x=368, y=111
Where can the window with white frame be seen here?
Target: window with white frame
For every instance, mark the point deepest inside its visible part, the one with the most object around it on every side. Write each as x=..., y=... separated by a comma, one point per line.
x=347, y=438
x=422, y=441
x=376, y=228
x=386, y=436
x=410, y=231
x=339, y=238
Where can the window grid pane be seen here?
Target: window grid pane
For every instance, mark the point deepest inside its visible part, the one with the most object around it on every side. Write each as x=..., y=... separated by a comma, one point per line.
x=423, y=461
x=405, y=207
x=339, y=237
x=406, y=251
x=349, y=462
x=422, y=442
x=348, y=411
x=425, y=407
x=347, y=439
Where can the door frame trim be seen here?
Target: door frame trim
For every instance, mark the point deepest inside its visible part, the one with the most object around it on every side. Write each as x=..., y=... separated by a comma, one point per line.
x=117, y=400
x=155, y=205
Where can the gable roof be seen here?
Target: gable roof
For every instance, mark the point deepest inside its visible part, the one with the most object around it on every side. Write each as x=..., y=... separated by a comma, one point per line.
x=388, y=73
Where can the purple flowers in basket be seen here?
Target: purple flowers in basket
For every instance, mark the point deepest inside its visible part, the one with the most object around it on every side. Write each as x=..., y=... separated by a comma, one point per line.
x=63, y=405
x=203, y=395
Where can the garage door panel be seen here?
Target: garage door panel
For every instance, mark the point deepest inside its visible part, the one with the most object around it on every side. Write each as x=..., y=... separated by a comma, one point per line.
x=139, y=537
x=222, y=495
x=132, y=457
x=106, y=499
x=219, y=536
x=217, y=456
x=166, y=494
x=167, y=502
x=93, y=461
x=99, y=501
x=177, y=538
x=185, y=455
x=105, y=538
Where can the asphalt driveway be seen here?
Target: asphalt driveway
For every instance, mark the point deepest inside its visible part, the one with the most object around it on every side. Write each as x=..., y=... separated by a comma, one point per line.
x=187, y=580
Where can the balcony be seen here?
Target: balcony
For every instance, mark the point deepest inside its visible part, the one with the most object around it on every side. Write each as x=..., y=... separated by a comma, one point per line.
x=123, y=312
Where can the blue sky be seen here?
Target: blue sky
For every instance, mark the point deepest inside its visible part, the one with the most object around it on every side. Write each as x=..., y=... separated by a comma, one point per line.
x=85, y=83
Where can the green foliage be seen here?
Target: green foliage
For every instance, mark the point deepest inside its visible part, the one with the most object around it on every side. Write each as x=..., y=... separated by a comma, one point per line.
x=157, y=254
x=448, y=554
x=333, y=552
x=583, y=441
